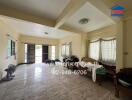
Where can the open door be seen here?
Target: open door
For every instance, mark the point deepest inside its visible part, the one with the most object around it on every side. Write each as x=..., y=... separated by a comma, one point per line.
x=30, y=53
x=38, y=53
x=45, y=50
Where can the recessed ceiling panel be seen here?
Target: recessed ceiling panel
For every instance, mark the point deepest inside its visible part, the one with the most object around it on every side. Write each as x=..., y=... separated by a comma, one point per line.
x=96, y=19
x=43, y=8
x=34, y=29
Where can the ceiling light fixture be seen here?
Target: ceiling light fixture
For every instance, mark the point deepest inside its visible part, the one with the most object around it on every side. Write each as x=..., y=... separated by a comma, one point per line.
x=46, y=33
x=84, y=21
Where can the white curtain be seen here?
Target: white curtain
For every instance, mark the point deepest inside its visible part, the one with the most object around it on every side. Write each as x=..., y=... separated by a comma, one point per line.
x=53, y=52
x=66, y=49
x=108, y=51
x=9, y=47
x=63, y=50
x=94, y=49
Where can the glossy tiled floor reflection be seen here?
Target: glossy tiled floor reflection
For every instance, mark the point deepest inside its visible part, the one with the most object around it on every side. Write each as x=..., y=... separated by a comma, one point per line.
x=36, y=82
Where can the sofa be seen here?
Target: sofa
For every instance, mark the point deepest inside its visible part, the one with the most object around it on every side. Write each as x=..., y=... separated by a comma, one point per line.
x=100, y=72
x=70, y=61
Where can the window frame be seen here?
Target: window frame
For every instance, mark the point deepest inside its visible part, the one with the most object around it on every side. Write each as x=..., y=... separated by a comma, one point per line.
x=66, y=53
x=112, y=60
x=11, y=47
x=100, y=50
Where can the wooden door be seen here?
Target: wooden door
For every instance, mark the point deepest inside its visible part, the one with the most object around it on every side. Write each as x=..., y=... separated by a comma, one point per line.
x=30, y=53
x=45, y=50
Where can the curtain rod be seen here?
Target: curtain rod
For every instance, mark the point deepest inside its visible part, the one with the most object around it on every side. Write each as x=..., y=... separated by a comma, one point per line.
x=67, y=43
x=108, y=39
x=101, y=39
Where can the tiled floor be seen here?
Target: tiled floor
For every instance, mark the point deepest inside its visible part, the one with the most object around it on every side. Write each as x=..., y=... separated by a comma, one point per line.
x=37, y=82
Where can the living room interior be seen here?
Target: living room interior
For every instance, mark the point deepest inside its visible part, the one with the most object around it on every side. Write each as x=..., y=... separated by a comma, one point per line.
x=65, y=49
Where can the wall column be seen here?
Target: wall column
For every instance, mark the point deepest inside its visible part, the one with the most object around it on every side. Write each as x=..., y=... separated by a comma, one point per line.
x=119, y=50
x=84, y=45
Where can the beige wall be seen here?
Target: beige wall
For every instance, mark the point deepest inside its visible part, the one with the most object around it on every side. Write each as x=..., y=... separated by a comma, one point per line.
x=107, y=32
x=4, y=61
x=116, y=31
x=120, y=46
x=20, y=54
x=80, y=41
x=38, y=40
x=76, y=44
x=35, y=40
x=127, y=43
x=84, y=45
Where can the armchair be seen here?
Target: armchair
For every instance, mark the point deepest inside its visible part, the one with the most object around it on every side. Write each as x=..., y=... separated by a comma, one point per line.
x=123, y=82
x=70, y=62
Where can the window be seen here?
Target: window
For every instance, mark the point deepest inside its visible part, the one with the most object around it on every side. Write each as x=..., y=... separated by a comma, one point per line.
x=94, y=50
x=66, y=49
x=38, y=53
x=53, y=52
x=103, y=50
x=63, y=50
x=12, y=47
x=25, y=53
x=9, y=50
x=108, y=51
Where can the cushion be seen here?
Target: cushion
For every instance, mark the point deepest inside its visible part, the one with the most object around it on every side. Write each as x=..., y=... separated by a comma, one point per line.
x=125, y=79
x=124, y=83
x=101, y=71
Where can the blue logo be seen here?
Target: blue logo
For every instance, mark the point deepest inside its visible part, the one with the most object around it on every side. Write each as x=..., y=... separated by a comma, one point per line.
x=117, y=11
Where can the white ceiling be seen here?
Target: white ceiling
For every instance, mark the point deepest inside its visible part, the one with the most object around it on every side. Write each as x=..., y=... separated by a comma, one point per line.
x=52, y=10
x=34, y=29
x=43, y=8
x=96, y=19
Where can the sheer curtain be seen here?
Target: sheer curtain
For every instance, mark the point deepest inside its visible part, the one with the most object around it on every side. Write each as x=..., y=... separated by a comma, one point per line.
x=53, y=51
x=63, y=50
x=66, y=49
x=108, y=51
x=94, y=49
x=9, y=47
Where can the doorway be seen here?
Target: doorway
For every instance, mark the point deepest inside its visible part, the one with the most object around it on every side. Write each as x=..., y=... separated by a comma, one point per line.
x=38, y=53
x=29, y=53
